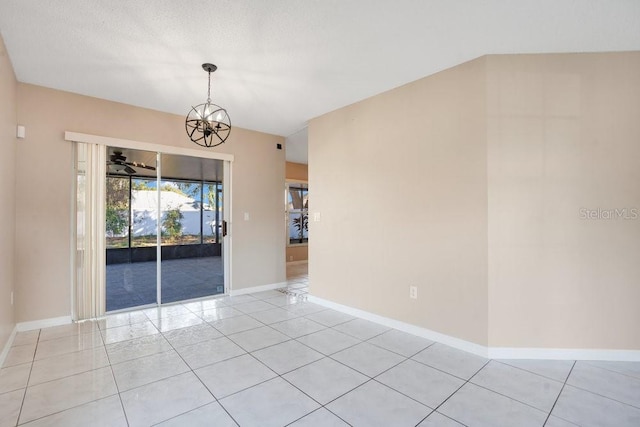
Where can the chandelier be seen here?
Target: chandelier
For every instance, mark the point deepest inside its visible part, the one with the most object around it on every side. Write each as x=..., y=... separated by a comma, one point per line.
x=208, y=124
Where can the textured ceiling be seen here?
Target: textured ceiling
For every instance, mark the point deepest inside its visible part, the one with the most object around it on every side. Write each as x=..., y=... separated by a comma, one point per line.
x=283, y=62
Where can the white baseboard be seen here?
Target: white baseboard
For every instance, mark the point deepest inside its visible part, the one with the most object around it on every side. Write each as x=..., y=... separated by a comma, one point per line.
x=564, y=354
x=43, y=323
x=299, y=262
x=458, y=343
x=7, y=345
x=484, y=351
x=255, y=289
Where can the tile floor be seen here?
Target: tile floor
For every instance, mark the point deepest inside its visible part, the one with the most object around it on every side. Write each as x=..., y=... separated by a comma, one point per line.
x=275, y=359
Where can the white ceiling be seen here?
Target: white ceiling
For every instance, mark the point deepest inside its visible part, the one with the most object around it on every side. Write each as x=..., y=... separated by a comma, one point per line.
x=283, y=62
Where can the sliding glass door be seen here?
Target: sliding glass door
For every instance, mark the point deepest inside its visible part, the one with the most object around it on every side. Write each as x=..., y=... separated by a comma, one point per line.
x=164, y=224
x=131, y=229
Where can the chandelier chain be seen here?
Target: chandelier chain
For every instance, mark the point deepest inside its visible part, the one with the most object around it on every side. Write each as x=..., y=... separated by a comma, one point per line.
x=209, y=90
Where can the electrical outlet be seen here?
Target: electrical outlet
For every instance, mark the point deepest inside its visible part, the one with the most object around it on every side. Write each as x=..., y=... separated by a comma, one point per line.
x=413, y=292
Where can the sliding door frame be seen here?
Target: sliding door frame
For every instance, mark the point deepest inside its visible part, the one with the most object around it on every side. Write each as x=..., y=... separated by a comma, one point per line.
x=167, y=149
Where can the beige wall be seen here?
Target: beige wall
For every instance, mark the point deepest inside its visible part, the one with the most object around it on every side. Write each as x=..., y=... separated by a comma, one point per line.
x=43, y=196
x=297, y=172
x=297, y=253
x=470, y=184
x=414, y=211
x=8, y=143
x=564, y=135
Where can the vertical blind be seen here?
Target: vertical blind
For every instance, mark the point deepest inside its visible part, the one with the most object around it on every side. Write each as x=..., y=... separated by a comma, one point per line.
x=90, y=162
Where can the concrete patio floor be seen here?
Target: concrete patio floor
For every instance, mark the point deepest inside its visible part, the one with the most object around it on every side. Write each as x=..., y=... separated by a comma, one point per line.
x=131, y=285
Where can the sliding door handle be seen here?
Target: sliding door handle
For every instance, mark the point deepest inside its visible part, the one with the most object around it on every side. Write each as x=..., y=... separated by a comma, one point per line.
x=224, y=228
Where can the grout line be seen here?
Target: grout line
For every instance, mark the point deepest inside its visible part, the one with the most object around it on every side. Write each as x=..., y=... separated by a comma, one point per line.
x=530, y=372
x=559, y=394
x=215, y=399
x=603, y=396
x=26, y=387
x=113, y=375
x=458, y=389
x=590, y=363
x=499, y=393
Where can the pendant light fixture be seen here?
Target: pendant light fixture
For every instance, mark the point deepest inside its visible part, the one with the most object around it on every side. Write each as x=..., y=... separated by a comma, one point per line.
x=208, y=124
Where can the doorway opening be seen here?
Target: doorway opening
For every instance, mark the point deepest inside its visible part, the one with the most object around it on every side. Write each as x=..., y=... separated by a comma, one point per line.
x=164, y=228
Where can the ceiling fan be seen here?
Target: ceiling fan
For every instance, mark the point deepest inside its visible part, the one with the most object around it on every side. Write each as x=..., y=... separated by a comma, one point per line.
x=118, y=163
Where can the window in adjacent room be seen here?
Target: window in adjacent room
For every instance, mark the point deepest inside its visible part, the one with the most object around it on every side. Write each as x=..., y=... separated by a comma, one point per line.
x=298, y=213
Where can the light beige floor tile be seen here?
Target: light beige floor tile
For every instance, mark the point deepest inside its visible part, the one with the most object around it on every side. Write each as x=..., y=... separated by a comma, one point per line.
x=165, y=324
x=144, y=370
x=361, y=329
x=477, y=406
x=19, y=355
x=219, y=313
x=400, y=342
x=326, y=379
x=138, y=347
x=191, y=335
x=10, y=404
x=287, y=356
x=59, y=395
x=320, y=417
x=631, y=369
x=253, y=306
x=68, y=330
x=373, y=404
x=273, y=315
x=239, y=299
x=14, y=377
x=233, y=375
x=26, y=337
x=588, y=409
x=553, y=369
x=450, y=360
x=211, y=414
x=298, y=327
x=208, y=352
x=328, y=341
x=56, y=367
x=272, y=403
x=69, y=344
x=266, y=294
x=233, y=325
x=128, y=332
x=105, y=412
x=420, y=382
x=203, y=305
x=166, y=311
x=121, y=319
x=526, y=387
x=329, y=317
x=438, y=420
x=165, y=399
x=613, y=385
x=258, y=338
x=368, y=359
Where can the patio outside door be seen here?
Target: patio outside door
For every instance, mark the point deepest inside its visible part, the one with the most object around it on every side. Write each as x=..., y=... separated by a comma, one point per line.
x=192, y=212
x=164, y=228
